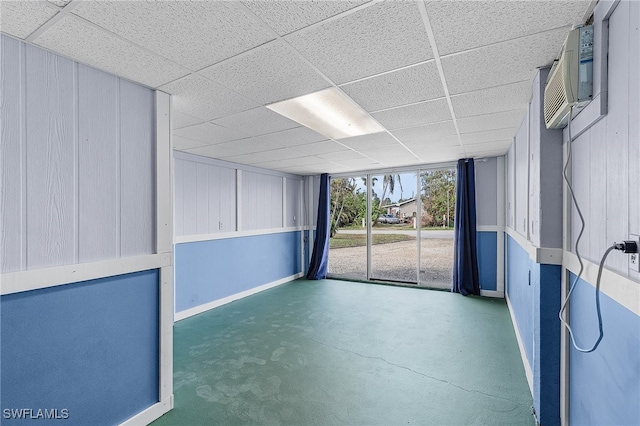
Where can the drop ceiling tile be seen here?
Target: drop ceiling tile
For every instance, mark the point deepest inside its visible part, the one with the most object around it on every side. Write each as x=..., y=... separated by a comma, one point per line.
x=267, y=74
x=322, y=147
x=213, y=151
x=462, y=25
x=485, y=149
x=444, y=141
x=21, y=18
x=86, y=43
x=435, y=155
x=264, y=156
x=60, y=3
x=208, y=133
x=405, y=86
x=182, y=144
x=378, y=152
x=365, y=141
x=257, y=121
x=498, y=120
x=342, y=156
x=488, y=136
x=425, y=133
x=496, y=99
x=359, y=164
x=414, y=115
x=195, y=34
x=200, y=97
x=283, y=139
x=180, y=120
x=379, y=38
x=502, y=63
x=288, y=16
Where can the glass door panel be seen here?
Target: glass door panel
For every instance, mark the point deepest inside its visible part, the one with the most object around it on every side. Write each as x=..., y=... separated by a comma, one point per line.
x=436, y=247
x=394, y=248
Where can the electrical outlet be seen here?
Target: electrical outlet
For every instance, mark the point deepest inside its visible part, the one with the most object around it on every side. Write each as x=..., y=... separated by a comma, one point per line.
x=220, y=226
x=634, y=258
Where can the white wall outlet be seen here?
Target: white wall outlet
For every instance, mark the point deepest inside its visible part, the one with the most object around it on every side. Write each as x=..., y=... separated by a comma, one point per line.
x=220, y=226
x=634, y=258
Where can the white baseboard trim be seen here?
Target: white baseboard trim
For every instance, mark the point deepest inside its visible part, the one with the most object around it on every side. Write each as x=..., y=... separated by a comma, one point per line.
x=214, y=304
x=150, y=414
x=523, y=354
x=492, y=293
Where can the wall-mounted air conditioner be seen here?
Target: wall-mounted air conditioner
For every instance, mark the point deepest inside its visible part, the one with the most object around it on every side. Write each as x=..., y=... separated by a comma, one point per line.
x=570, y=82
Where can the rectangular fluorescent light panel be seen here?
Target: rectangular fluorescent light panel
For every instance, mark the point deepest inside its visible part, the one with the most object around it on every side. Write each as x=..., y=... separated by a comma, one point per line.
x=330, y=113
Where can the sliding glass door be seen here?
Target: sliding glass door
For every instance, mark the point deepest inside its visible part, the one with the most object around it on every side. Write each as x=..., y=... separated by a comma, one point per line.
x=393, y=227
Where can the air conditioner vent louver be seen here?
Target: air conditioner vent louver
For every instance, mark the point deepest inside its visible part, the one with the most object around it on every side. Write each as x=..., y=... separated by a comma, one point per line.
x=570, y=80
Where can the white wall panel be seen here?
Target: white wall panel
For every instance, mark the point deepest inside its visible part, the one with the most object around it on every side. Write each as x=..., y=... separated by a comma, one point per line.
x=202, y=198
x=178, y=207
x=533, y=218
x=137, y=170
x=189, y=186
x=12, y=247
x=581, y=189
x=249, y=202
x=51, y=185
x=98, y=166
x=521, y=168
x=486, y=192
x=511, y=181
x=78, y=162
x=227, y=202
x=293, y=216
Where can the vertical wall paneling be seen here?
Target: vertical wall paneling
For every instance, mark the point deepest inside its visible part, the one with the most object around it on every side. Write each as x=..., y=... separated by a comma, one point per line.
x=486, y=187
x=277, y=201
x=248, y=191
x=596, y=174
x=12, y=247
x=511, y=179
x=534, y=162
x=239, y=201
x=190, y=175
x=97, y=165
x=294, y=202
x=634, y=122
x=137, y=139
x=580, y=162
x=283, y=222
x=228, y=198
x=202, y=198
x=617, y=137
x=521, y=170
x=215, y=201
x=179, y=196
x=51, y=222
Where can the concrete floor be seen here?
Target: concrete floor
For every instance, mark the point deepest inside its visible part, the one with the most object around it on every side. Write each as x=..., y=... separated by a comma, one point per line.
x=333, y=352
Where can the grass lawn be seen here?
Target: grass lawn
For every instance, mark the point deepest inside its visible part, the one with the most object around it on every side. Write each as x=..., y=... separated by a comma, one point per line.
x=358, y=240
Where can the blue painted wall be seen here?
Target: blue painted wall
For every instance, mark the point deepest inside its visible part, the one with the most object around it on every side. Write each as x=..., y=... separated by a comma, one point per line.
x=520, y=293
x=206, y=271
x=605, y=384
x=487, y=246
x=534, y=294
x=89, y=347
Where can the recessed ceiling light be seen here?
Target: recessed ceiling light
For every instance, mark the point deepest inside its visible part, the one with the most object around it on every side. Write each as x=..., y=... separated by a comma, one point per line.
x=330, y=113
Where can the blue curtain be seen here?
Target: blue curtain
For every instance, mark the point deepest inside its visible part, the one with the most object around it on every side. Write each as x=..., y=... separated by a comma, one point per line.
x=465, y=256
x=320, y=256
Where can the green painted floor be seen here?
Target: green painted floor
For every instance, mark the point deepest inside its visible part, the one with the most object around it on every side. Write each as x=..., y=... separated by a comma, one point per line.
x=334, y=352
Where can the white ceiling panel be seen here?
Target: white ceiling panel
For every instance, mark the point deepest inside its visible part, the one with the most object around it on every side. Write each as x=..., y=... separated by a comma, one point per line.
x=405, y=86
x=497, y=99
x=181, y=144
x=20, y=19
x=444, y=141
x=378, y=152
x=359, y=164
x=208, y=133
x=322, y=147
x=376, y=39
x=257, y=121
x=342, y=156
x=425, y=133
x=463, y=25
x=86, y=43
x=414, y=115
x=168, y=28
x=179, y=119
x=502, y=63
x=365, y=141
x=494, y=147
x=288, y=16
x=213, y=151
x=271, y=155
x=200, y=97
x=270, y=73
x=283, y=139
x=60, y=3
x=498, y=120
x=488, y=136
